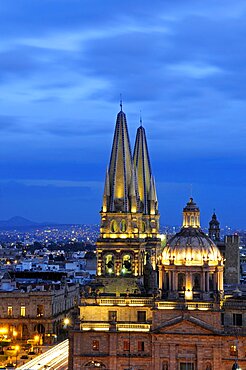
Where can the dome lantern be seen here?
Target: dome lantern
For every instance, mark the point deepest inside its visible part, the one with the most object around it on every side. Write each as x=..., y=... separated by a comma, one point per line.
x=191, y=215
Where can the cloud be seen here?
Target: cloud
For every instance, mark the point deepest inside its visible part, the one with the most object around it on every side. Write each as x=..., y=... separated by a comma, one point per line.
x=63, y=66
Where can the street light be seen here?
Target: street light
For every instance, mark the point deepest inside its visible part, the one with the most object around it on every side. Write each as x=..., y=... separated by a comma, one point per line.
x=36, y=340
x=66, y=321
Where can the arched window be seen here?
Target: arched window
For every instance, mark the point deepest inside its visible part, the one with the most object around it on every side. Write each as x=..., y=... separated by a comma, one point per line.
x=109, y=264
x=165, y=365
x=181, y=281
x=123, y=226
x=127, y=264
x=114, y=226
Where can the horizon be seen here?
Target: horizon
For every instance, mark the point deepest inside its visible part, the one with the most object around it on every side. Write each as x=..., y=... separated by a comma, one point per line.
x=62, y=74
x=54, y=223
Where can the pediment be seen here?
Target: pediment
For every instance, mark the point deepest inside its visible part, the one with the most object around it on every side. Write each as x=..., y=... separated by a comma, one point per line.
x=186, y=325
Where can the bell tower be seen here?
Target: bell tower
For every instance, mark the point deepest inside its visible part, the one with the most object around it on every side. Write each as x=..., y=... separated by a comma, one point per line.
x=214, y=229
x=129, y=216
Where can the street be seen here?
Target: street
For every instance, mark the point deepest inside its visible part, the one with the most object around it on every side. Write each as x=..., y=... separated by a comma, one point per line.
x=54, y=359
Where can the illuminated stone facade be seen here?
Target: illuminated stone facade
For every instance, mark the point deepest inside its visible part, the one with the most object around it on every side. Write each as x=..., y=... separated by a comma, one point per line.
x=40, y=310
x=191, y=265
x=186, y=323
x=129, y=217
x=156, y=334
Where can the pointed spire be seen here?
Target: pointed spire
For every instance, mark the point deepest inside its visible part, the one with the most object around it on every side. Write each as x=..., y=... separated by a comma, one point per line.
x=120, y=168
x=152, y=192
x=143, y=168
x=132, y=192
x=152, y=198
x=106, y=193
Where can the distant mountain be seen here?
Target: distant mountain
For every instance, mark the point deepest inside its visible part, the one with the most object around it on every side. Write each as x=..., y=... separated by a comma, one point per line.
x=17, y=221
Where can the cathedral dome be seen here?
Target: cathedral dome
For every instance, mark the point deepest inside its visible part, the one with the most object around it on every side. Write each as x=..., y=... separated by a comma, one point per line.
x=191, y=246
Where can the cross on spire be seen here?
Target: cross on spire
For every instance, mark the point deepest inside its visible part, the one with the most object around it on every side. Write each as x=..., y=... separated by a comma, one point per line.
x=121, y=104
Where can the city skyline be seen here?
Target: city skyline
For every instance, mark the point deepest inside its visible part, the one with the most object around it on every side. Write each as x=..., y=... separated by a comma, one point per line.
x=62, y=73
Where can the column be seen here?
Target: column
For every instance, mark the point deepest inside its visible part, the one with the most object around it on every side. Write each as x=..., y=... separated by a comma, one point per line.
x=199, y=356
x=170, y=280
x=207, y=281
x=217, y=363
x=112, y=350
x=172, y=356
x=156, y=356
x=203, y=282
x=161, y=280
x=220, y=278
x=117, y=262
x=174, y=281
x=215, y=280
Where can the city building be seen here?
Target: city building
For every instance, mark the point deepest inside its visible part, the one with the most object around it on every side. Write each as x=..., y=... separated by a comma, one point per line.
x=151, y=307
x=35, y=308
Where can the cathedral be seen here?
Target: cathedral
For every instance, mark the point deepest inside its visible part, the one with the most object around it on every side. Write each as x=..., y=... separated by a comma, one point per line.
x=155, y=306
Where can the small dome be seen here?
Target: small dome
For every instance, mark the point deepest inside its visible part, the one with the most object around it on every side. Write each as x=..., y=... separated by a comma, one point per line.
x=191, y=246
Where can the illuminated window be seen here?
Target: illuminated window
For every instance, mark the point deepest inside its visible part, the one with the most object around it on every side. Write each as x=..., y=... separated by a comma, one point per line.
x=140, y=346
x=23, y=311
x=126, y=264
x=141, y=316
x=233, y=350
x=109, y=264
x=95, y=345
x=114, y=226
x=123, y=226
x=237, y=319
x=10, y=310
x=126, y=345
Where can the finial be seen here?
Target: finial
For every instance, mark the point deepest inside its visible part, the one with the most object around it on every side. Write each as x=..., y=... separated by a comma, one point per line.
x=121, y=102
x=141, y=122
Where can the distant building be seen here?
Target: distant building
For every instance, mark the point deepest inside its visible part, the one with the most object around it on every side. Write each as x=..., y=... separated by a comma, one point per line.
x=229, y=248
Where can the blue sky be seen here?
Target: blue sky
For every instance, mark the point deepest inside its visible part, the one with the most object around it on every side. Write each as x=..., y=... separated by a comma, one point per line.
x=63, y=66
